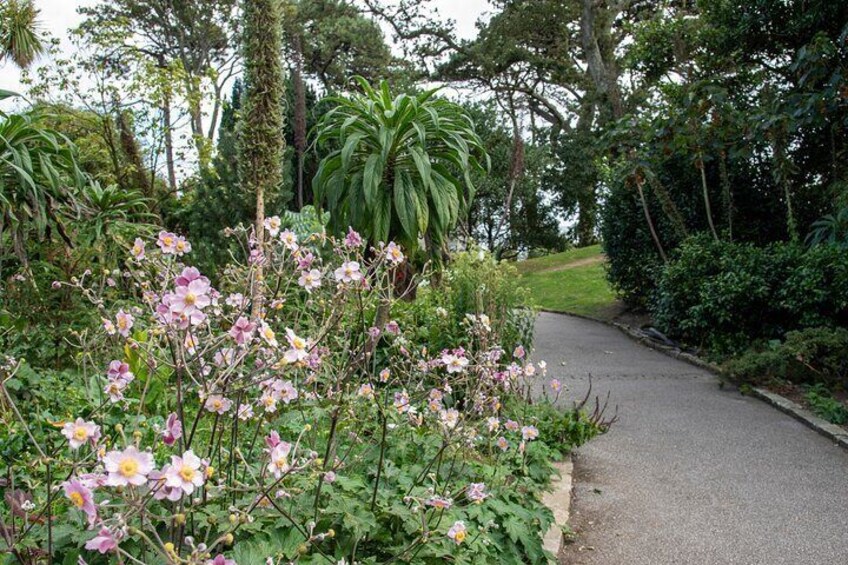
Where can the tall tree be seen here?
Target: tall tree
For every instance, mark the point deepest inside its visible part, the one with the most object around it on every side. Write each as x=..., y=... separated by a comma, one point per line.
x=261, y=141
x=192, y=41
x=19, y=32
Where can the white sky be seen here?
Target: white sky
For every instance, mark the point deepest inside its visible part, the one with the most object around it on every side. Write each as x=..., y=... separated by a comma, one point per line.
x=57, y=16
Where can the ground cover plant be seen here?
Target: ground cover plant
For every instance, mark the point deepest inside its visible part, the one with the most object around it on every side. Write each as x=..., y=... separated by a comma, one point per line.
x=270, y=420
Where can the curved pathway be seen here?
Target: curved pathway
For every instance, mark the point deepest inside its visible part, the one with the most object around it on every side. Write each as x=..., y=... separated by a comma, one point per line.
x=691, y=473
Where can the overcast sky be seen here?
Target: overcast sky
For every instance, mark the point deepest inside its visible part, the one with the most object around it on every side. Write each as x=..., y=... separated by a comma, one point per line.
x=59, y=15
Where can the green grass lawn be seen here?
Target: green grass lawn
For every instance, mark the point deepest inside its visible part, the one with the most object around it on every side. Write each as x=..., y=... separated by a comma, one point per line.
x=573, y=281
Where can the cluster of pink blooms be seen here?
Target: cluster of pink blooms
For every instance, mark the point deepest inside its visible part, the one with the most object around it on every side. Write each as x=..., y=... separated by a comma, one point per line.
x=224, y=341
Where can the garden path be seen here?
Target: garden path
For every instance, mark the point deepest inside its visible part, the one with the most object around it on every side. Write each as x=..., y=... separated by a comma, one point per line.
x=691, y=473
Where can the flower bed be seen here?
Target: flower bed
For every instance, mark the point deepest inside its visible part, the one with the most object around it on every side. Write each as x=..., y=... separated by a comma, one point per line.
x=282, y=415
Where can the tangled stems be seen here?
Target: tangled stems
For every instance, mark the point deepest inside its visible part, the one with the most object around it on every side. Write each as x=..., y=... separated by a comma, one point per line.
x=208, y=435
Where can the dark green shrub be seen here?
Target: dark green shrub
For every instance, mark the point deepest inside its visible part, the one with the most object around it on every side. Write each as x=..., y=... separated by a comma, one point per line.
x=724, y=295
x=812, y=355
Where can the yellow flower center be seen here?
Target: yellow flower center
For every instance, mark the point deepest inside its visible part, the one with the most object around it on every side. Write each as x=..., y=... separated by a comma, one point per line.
x=187, y=473
x=190, y=299
x=137, y=249
x=128, y=468
x=269, y=401
x=459, y=536
x=80, y=434
x=180, y=245
x=76, y=499
x=281, y=463
x=168, y=241
x=298, y=343
x=217, y=404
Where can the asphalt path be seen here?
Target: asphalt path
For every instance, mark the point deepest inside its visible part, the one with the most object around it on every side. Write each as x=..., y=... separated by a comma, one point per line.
x=692, y=473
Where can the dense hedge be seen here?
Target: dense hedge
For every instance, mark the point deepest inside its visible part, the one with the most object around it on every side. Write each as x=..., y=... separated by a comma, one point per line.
x=812, y=355
x=724, y=295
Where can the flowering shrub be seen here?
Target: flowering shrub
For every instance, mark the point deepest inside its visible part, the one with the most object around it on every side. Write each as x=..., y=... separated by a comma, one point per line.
x=269, y=419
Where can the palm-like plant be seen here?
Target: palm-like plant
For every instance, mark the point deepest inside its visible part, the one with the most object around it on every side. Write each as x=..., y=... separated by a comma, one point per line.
x=398, y=167
x=19, y=33
x=39, y=176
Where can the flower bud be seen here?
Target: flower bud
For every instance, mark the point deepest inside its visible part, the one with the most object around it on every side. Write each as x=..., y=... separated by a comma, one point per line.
x=228, y=539
x=180, y=519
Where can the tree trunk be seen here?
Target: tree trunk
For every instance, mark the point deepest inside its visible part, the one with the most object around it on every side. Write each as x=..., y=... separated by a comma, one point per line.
x=261, y=140
x=169, y=142
x=645, y=209
x=129, y=146
x=299, y=116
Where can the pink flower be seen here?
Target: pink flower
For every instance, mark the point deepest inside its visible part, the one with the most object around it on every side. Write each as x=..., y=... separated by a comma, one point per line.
x=284, y=390
x=519, y=352
x=493, y=423
x=167, y=242
x=348, y=272
x=268, y=334
x=189, y=275
x=385, y=374
x=236, y=300
x=127, y=467
x=279, y=462
x=401, y=402
x=115, y=390
x=454, y=363
x=298, y=347
x=310, y=279
x=529, y=433
x=182, y=246
x=289, y=239
x=184, y=472
x=394, y=254
x=511, y=425
x=502, y=443
x=188, y=299
x=109, y=326
x=221, y=560
x=242, y=330
x=450, y=418
x=273, y=224
x=556, y=386
x=458, y=532
x=173, y=429
x=353, y=239
x=81, y=498
x=439, y=502
x=366, y=391
x=125, y=322
x=120, y=371
x=104, y=542
x=137, y=250
x=245, y=412
x=224, y=357
x=161, y=491
x=81, y=432
x=218, y=404
x=272, y=440
x=476, y=492
x=393, y=328
x=305, y=260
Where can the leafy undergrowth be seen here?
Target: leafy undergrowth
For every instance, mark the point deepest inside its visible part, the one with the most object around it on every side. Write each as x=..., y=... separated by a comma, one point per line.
x=573, y=281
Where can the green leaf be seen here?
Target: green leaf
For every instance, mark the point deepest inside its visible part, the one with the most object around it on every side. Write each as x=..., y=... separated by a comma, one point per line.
x=405, y=205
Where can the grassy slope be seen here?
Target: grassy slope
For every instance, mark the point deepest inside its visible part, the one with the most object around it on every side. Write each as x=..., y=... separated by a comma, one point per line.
x=580, y=289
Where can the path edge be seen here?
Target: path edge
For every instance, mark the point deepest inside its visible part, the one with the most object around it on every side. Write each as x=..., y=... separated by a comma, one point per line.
x=558, y=501
x=785, y=405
